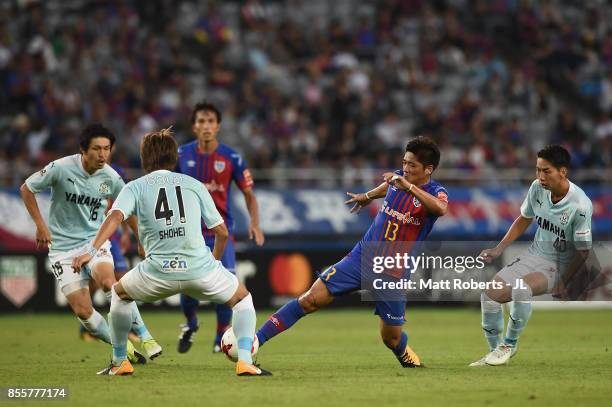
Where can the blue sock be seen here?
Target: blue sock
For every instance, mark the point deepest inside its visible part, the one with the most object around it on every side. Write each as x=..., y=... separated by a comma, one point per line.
x=120, y=318
x=520, y=312
x=281, y=320
x=401, y=346
x=244, y=327
x=224, y=318
x=189, y=306
x=97, y=326
x=138, y=325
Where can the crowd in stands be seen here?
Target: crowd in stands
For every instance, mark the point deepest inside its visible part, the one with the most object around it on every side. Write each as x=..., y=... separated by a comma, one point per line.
x=311, y=83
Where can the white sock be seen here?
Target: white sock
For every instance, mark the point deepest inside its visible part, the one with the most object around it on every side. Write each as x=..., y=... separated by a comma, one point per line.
x=244, y=321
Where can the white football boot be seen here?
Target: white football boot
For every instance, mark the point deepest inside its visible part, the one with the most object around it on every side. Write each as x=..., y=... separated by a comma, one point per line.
x=500, y=355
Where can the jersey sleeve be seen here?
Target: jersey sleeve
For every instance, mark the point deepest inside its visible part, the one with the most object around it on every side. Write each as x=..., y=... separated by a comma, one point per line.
x=240, y=173
x=45, y=178
x=125, y=202
x=583, y=239
x=441, y=193
x=526, y=206
x=208, y=210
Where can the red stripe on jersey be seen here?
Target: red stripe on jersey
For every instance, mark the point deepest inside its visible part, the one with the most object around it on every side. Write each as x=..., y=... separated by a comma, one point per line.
x=409, y=207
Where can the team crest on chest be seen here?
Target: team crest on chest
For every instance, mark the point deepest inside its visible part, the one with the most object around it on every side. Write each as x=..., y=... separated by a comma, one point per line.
x=416, y=202
x=564, y=218
x=219, y=166
x=104, y=188
x=190, y=163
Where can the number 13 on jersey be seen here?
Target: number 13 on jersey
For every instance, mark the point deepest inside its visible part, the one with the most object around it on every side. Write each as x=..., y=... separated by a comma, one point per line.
x=391, y=231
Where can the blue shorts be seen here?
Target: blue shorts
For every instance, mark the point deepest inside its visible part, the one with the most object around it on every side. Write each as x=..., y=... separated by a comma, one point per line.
x=345, y=277
x=229, y=255
x=121, y=264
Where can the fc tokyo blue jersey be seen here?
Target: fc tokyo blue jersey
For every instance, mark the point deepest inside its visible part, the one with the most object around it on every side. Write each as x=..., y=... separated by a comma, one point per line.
x=216, y=171
x=401, y=218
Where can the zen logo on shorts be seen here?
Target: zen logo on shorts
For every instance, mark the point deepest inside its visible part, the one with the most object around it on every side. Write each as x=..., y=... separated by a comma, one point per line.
x=174, y=265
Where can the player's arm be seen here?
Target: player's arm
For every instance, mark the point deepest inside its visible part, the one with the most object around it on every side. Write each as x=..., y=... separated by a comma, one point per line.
x=519, y=226
x=221, y=237
x=432, y=204
x=572, y=269
x=109, y=226
x=43, y=236
x=582, y=240
x=125, y=240
x=361, y=200
x=132, y=222
x=251, y=204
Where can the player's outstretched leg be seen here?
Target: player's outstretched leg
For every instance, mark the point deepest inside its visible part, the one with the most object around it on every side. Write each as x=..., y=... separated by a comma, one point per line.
x=121, y=321
x=244, y=328
x=520, y=312
x=105, y=277
x=397, y=340
x=97, y=326
x=492, y=325
x=316, y=297
x=189, y=305
x=149, y=345
x=90, y=319
x=224, y=318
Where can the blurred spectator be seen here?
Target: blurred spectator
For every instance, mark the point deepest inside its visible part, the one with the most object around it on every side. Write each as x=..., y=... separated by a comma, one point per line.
x=311, y=84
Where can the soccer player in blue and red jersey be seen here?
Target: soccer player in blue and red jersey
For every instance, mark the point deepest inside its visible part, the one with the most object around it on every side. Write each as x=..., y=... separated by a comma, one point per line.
x=216, y=165
x=414, y=197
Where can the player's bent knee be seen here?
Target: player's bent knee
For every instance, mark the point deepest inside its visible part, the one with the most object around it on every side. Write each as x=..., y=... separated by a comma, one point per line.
x=240, y=293
x=501, y=295
x=120, y=292
x=308, y=302
x=83, y=311
x=107, y=284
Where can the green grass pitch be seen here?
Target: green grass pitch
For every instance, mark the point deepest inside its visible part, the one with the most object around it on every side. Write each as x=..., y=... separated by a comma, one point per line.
x=332, y=358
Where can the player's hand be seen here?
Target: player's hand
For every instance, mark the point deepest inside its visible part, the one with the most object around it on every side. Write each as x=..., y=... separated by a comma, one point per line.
x=125, y=241
x=43, y=237
x=488, y=255
x=559, y=291
x=255, y=232
x=80, y=261
x=141, y=251
x=360, y=200
x=397, y=181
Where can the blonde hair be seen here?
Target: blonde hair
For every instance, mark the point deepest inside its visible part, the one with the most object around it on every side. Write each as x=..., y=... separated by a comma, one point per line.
x=159, y=151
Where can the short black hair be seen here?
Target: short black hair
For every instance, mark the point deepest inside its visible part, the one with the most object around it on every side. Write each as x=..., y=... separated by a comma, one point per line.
x=556, y=155
x=205, y=107
x=95, y=130
x=426, y=151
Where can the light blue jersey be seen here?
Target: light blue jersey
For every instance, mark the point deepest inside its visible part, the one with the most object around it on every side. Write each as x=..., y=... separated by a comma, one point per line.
x=563, y=227
x=169, y=207
x=78, y=199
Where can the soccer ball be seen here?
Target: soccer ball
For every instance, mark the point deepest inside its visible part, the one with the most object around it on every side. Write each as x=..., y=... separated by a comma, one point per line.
x=229, y=345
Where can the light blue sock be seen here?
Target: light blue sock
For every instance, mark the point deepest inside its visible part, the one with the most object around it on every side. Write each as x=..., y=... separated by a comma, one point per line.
x=120, y=318
x=244, y=321
x=97, y=326
x=520, y=312
x=492, y=320
x=138, y=325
